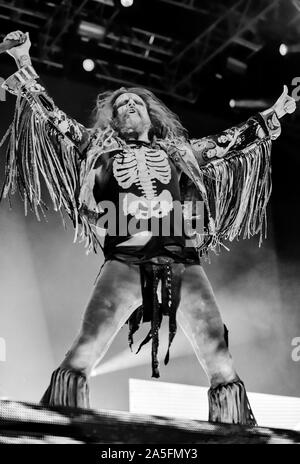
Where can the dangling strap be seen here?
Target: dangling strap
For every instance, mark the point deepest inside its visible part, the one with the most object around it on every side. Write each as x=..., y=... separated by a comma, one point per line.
x=168, y=283
x=155, y=322
x=134, y=322
x=145, y=341
x=152, y=311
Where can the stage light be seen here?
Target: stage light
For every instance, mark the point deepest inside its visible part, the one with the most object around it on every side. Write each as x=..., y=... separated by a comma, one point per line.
x=88, y=65
x=287, y=49
x=126, y=3
x=127, y=360
x=91, y=31
x=190, y=402
x=236, y=66
x=243, y=103
x=283, y=49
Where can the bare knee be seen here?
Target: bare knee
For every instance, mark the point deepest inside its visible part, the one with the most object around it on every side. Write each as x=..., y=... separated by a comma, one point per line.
x=87, y=349
x=208, y=340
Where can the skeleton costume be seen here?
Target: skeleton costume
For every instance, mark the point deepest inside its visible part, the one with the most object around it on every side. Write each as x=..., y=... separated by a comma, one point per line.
x=82, y=169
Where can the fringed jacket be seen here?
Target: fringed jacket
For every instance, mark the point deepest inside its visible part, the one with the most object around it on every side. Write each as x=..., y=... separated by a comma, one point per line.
x=230, y=172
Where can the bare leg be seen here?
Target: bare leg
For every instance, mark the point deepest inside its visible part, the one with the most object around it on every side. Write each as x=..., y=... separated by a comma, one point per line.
x=200, y=319
x=116, y=295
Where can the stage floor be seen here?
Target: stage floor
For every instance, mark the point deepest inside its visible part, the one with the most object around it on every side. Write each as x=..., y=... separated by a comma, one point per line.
x=30, y=423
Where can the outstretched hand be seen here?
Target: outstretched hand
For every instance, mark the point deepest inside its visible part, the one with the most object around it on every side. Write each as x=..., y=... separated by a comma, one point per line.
x=22, y=49
x=284, y=104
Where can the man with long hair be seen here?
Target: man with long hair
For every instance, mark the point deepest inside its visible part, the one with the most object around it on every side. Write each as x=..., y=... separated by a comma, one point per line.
x=137, y=160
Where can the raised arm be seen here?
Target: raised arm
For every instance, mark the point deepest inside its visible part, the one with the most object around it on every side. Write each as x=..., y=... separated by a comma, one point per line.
x=235, y=175
x=260, y=126
x=45, y=146
x=24, y=82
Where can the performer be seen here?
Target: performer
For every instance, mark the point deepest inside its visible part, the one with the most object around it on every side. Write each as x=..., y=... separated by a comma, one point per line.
x=138, y=158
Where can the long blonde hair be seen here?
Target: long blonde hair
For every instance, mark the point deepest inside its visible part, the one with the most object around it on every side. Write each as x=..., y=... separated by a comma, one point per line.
x=164, y=123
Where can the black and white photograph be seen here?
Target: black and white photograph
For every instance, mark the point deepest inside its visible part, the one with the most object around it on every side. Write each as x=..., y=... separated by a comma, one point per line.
x=149, y=226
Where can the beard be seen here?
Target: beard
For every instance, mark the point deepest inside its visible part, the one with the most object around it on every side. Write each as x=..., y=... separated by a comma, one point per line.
x=131, y=125
x=128, y=134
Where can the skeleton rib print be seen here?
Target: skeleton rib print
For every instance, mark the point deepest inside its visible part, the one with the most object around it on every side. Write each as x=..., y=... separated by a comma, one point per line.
x=142, y=167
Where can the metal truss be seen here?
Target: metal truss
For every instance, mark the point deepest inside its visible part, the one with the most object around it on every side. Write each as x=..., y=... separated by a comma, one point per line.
x=227, y=29
x=193, y=5
x=131, y=77
x=153, y=58
x=141, y=44
x=65, y=14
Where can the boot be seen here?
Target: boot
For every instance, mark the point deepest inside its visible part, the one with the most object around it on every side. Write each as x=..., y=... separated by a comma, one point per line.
x=228, y=403
x=67, y=388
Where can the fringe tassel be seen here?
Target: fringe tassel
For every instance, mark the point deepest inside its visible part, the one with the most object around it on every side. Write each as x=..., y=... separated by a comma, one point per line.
x=36, y=156
x=228, y=403
x=67, y=388
x=239, y=188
